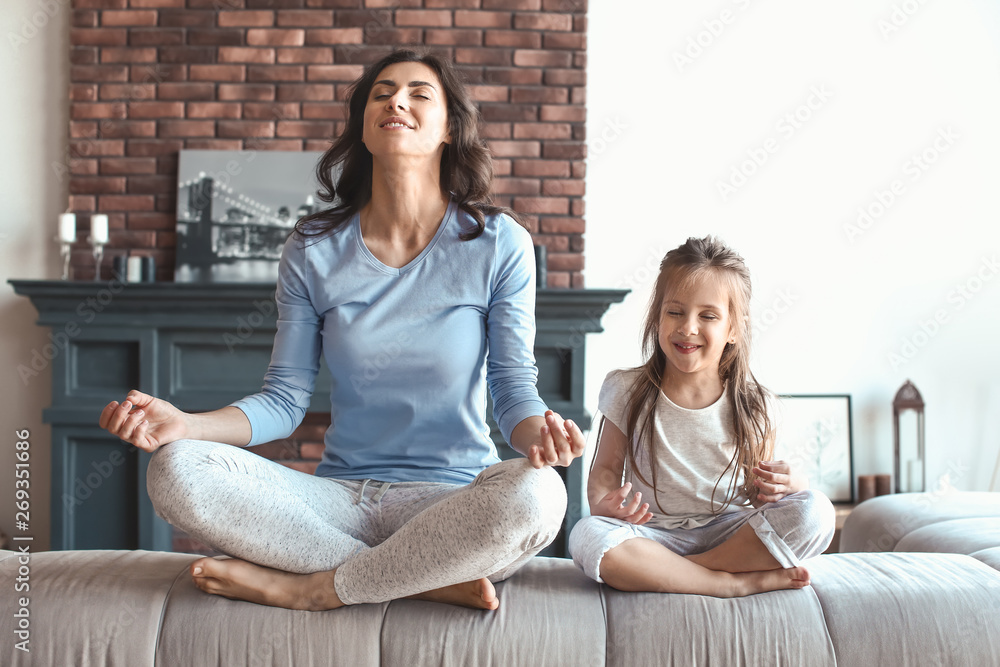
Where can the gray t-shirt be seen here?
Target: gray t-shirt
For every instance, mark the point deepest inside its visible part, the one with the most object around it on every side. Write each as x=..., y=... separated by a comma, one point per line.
x=692, y=448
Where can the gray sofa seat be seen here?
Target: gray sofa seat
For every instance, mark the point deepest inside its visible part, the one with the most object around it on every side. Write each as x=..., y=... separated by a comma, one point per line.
x=961, y=536
x=139, y=608
x=960, y=522
x=881, y=523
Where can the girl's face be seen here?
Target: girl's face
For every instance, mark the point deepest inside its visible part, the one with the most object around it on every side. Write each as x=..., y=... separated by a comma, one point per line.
x=407, y=112
x=695, y=326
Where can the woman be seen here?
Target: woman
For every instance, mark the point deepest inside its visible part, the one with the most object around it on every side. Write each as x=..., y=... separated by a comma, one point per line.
x=419, y=294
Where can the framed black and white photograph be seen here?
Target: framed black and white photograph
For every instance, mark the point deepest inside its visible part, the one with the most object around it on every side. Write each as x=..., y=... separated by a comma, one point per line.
x=236, y=208
x=814, y=436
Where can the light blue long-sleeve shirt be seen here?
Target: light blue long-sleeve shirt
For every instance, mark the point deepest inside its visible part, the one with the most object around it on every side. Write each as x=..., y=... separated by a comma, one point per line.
x=410, y=350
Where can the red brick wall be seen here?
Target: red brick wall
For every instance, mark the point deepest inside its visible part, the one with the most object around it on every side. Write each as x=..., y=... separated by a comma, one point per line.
x=149, y=77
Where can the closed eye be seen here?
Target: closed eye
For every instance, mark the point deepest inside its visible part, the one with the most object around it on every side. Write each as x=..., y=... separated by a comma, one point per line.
x=384, y=96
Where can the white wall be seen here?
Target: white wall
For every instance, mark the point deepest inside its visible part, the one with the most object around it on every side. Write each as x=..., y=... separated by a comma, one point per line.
x=663, y=135
x=660, y=140
x=34, y=75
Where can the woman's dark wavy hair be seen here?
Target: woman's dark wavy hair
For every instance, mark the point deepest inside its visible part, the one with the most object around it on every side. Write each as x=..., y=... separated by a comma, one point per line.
x=466, y=164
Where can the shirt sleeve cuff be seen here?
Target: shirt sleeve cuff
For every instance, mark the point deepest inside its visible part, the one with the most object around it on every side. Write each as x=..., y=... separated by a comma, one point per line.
x=518, y=413
x=246, y=406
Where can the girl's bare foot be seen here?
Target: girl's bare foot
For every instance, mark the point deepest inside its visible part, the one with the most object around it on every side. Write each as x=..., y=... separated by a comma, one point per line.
x=749, y=583
x=640, y=564
x=478, y=594
x=240, y=580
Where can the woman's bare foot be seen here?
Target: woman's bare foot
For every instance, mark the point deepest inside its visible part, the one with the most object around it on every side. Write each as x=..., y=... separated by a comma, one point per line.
x=240, y=580
x=478, y=594
x=749, y=583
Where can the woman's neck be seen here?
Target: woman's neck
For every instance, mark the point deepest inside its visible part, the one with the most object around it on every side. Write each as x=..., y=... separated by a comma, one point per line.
x=406, y=206
x=693, y=392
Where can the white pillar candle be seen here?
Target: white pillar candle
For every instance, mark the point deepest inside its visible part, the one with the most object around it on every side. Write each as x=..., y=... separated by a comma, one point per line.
x=99, y=228
x=915, y=472
x=67, y=227
x=133, y=272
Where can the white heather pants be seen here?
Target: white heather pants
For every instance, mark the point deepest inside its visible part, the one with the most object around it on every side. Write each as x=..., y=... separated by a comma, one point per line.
x=387, y=541
x=799, y=526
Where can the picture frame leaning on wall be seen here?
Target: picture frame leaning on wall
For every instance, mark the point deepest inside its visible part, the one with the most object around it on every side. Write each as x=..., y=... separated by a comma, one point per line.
x=814, y=434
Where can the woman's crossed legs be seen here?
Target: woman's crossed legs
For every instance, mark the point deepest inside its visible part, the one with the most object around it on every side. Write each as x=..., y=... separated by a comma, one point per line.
x=305, y=542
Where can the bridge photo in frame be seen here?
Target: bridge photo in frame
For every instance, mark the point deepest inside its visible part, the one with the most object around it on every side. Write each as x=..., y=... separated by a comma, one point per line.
x=236, y=208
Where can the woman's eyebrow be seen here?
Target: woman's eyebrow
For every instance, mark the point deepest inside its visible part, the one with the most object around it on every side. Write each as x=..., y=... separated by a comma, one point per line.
x=413, y=84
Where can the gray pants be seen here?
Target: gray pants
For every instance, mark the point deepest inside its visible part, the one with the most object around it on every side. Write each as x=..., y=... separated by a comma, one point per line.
x=798, y=526
x=386, y=541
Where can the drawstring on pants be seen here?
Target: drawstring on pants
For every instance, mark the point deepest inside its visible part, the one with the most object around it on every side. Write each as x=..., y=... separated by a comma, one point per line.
x=381, y=491
x=378, y=494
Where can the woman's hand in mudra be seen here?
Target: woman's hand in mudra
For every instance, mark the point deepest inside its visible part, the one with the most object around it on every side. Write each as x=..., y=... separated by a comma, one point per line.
x=561, y=442
x=145, y=421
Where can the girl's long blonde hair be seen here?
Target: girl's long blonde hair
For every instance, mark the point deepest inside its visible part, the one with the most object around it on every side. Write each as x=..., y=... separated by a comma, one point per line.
x=752, y=428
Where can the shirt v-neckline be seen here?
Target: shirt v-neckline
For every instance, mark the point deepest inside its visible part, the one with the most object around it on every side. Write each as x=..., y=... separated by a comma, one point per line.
x=392, y=270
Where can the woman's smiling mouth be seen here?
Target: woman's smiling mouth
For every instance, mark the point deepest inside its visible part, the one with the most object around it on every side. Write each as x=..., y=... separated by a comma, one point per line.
x=395, y=123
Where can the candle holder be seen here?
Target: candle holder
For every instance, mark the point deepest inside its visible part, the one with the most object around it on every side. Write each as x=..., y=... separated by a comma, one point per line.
x=64, y=250
x=909, y=448
x=66, y=239
x=98, y=256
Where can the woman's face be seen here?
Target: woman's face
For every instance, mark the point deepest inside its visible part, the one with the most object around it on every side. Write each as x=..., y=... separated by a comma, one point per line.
x=407, y=113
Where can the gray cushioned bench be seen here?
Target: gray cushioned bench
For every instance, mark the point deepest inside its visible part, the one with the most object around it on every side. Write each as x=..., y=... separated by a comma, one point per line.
x=137, y=608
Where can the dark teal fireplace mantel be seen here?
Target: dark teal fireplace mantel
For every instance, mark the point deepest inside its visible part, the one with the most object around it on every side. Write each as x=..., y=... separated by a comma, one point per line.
x=201, y=347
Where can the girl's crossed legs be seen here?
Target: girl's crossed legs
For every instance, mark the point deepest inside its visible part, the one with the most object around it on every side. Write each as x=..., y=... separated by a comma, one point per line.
x=738, y=553
x=354, y=541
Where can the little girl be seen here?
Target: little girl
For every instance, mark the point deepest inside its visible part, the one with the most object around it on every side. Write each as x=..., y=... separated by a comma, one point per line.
x=691, y=431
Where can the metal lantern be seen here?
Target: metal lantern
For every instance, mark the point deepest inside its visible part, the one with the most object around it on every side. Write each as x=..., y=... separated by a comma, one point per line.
x=908, y=440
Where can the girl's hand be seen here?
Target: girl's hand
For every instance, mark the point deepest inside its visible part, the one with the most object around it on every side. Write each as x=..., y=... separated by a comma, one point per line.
x=775, y=480
x=561, y=442
x=144, y=421
x=614, y=505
